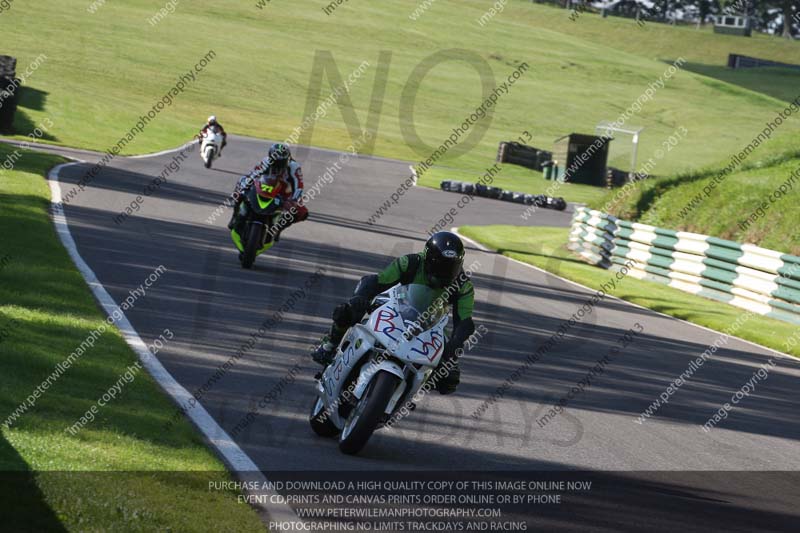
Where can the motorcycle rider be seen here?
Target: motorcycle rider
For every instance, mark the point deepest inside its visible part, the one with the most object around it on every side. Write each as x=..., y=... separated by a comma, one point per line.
x=440, y=267
x=211, y=123
x=278, y=167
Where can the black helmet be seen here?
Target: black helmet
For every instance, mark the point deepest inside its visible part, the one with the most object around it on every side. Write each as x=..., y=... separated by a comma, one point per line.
x=444, y=257
x=279, y=156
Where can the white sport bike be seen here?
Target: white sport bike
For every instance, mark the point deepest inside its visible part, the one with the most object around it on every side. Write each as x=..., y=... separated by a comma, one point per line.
x=211, y=145
x=380, y=365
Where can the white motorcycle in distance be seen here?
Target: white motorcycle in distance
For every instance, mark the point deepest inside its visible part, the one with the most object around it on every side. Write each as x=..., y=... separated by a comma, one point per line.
x=380, y=365
x=210, y=146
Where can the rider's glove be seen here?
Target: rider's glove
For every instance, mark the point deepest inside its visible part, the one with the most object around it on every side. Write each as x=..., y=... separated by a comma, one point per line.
x=448, y=383
x=290, y=204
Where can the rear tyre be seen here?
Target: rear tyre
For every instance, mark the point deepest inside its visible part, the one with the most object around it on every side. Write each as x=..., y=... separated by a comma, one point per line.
x=365, y=416
x=320, y=423
x=253, y=242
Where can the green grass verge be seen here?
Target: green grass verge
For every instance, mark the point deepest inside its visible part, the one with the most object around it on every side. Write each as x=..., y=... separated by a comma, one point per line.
x=545, y=248
x=46, y=311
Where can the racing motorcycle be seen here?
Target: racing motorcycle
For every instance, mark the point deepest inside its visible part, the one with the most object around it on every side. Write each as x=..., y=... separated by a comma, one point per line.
x=211, y=145
x=380, y=365
x=253, y=233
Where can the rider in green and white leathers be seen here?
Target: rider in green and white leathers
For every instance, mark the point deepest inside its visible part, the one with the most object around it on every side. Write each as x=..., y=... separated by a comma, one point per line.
x=440, y=267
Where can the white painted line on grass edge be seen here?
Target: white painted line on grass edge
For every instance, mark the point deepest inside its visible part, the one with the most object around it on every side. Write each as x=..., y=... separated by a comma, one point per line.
x=235, y=458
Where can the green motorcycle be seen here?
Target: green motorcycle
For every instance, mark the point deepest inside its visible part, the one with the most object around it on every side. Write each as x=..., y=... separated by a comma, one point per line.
x=255, y=228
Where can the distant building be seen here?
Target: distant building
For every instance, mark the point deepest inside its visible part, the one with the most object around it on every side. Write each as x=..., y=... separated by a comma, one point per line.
x=732, y=25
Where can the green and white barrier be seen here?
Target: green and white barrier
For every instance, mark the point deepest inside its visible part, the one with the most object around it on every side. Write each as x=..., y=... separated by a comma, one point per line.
x=747, y=276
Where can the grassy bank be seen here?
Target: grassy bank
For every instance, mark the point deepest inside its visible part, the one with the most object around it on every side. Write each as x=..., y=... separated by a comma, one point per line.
x=121, y=471
x=546, y=248
x=94, y=88
x=756, y=204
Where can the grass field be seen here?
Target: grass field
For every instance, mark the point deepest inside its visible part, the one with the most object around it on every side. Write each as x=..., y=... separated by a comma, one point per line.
x=545, y=248
x=46, y=312
x=104, y=70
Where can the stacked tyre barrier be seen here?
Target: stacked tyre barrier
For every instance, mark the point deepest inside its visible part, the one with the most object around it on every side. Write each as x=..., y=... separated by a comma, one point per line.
x=759, y=280
x=484, y=191
x=516, y=153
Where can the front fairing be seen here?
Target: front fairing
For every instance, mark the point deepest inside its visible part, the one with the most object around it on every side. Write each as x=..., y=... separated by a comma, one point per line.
x=212, y=138
x=258, y=204
x=407, y=340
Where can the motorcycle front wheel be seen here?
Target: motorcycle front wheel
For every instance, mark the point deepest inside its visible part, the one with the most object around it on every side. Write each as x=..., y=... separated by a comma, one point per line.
x=209, y=157
x=366, y=415
x=320, y=422
x=252, y=245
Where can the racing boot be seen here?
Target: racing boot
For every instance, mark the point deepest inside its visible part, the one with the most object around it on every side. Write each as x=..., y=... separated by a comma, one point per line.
x=237, y=202
x=283, y=222
x=325, y=351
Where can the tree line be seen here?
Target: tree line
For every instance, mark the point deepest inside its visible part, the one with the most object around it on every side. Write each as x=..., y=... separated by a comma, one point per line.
x=779, y=17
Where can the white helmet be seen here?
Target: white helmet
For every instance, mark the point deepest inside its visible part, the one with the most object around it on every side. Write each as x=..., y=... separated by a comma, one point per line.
x=212, y=119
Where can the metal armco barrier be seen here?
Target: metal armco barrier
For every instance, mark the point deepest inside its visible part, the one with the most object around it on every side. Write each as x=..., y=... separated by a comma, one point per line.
x=747, y=276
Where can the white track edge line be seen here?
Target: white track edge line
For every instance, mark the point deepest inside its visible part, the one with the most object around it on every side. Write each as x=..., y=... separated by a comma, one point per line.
x=475, y=243
x=236, y=458
x=162, y=152
x=751, y=343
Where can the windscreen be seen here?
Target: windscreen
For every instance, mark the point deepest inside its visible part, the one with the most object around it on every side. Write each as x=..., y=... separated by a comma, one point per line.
x=421, y=305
